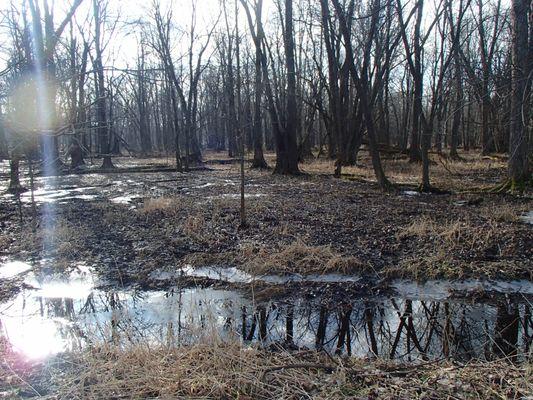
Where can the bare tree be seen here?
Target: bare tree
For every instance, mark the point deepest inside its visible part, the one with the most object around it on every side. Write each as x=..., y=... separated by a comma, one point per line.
x=188, y=100
x=259, y=159
x=519, y=173
x=361, y=81
x=45, y=39
x=104, y=134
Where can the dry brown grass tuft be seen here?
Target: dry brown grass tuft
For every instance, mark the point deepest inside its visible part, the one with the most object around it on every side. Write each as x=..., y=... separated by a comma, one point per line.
x=161, y=205
x=224, y=371
x=425, y=227
x=194, y=225
x=454, y=249
x=63, y=240
x=505, y=212
x=215, y=371
x=439, y=265
x=448, y=233
x=298, y=257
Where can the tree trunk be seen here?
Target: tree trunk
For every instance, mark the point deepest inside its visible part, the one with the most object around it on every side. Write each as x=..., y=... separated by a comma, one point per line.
x=259, y=159
x=519, y=173
x=418, y=87
x=176, y=123
x=457, y=111
x=4, y=154
x=487, y=140
x=144, y=124
x=102, y=126
x=286, y=146
x=76, y=155
x=14, y=181
x=363, y=90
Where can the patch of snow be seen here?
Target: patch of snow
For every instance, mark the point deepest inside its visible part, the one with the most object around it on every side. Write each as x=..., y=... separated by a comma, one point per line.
x=225, y=274
x=235, y=275
x=123, y=199
x=441, y=289
x=527, y=217
x=236, y=196
x=11, y=269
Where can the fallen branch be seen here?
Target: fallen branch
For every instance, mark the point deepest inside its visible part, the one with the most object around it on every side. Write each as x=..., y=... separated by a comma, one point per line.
x=328, y=368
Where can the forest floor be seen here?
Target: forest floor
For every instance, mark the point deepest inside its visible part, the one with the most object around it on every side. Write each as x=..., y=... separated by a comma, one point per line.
x=137, y=227
x=229, y=371
x=130, y=225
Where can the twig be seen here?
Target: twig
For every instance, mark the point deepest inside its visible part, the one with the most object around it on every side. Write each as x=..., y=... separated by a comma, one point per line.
x=295, y=366
x=447, y=169
x=20, y=378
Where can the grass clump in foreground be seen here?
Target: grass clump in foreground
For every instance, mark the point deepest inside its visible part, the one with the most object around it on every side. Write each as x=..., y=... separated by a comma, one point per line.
x=161, y=206
x=62, y=240
x=465, y=248
x=300, y=258
x=224, y=371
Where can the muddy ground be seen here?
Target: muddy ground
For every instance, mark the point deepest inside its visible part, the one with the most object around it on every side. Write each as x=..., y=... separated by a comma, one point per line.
x=128, y=225
x=130, y=241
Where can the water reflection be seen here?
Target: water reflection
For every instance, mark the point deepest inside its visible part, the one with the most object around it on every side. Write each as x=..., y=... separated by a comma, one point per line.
x=44, y=322
x=401, y=328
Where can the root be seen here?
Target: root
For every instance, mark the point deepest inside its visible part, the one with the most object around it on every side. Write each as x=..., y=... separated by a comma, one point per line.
x=445, y=166
x=510, y=186
x=389, y=187
x=502, y=187
x=432, y=190
x=16, y=189
x=259, y=164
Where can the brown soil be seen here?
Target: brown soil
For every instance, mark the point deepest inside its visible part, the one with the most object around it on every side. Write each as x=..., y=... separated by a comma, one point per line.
x=313, y=223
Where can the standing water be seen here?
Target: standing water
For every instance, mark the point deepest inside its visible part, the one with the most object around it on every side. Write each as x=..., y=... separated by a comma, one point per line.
x=59, y=314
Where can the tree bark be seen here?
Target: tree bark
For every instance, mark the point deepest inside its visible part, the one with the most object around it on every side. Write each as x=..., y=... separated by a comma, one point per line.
x=14, y=180
x=286, y=146
x=259, y=158
x=361, y=84
x=519, y=173
x=102, y=123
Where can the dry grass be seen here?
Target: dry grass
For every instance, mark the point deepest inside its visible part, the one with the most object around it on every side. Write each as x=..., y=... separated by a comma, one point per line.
x=298, y=257
x=66, y=239
x=194, y=226
x=206, y=221
x=425, y=227
x=229, y=371
x=202, y=259
x=454, y=249
x=470, y=172
x=199, y=220
x=449, y=233
x=63, y=240
x=165, y=206
x=505, y=212
x=324, y=166
x=5, y=240
x=440, y=265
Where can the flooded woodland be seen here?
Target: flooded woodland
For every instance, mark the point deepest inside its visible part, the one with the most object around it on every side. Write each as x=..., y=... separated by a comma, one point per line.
x=155, y=260
x=266, y=199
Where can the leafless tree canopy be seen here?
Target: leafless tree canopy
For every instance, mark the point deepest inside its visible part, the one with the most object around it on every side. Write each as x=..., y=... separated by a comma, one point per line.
x=303, y=78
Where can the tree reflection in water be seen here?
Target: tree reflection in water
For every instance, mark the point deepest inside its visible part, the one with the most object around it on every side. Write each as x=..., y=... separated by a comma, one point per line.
x=396, y=328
